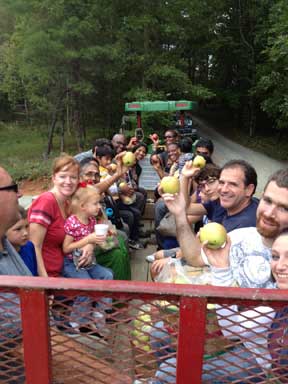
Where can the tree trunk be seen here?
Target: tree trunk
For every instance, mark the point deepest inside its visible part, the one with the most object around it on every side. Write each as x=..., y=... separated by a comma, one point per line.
x=53, y=124
x=62, y=134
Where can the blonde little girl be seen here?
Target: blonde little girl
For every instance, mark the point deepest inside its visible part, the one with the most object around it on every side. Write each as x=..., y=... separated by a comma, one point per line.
x=79, y=230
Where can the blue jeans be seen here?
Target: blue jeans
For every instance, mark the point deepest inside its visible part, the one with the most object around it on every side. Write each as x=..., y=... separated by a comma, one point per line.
x=236, y=364
x=84, y=305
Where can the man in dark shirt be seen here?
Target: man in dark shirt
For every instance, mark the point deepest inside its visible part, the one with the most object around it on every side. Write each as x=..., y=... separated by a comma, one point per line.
x=236, y=207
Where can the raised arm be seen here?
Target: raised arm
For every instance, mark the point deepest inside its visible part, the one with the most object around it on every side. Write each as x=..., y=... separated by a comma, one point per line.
x=105, y=184
x=189, y=243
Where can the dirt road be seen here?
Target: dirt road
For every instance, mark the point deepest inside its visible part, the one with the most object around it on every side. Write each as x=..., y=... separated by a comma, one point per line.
x=226, y=149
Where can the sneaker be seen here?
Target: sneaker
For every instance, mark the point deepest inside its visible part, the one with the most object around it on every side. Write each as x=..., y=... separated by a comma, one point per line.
x=150, y=258
x=135, y=244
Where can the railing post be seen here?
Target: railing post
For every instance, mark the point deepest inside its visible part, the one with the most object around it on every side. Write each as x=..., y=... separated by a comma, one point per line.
x=191, y=340
x=36, y=338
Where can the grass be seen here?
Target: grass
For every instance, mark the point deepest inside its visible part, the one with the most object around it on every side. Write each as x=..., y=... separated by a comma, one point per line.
x=22, y=148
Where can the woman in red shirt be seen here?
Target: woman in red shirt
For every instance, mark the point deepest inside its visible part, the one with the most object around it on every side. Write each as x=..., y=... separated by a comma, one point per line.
x=47, y=215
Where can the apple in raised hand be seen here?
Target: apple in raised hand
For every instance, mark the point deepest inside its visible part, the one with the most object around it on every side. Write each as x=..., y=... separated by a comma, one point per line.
x=155, y=136
x=199, y=161
x=113, y=167
x=170, y=184
x=214, y=234
x=128, y=159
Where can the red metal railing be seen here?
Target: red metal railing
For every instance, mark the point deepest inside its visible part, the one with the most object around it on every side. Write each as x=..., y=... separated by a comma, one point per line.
x=39, y=338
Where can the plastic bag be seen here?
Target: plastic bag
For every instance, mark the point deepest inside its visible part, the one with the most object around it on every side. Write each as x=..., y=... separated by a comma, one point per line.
x=111, y=241
x=173, y=272
x=167, y=226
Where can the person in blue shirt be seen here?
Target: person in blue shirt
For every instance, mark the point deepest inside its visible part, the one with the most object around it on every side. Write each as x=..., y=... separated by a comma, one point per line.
x=18, y=236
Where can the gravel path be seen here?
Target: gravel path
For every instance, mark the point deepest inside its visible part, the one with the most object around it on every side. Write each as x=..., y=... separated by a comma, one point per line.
x=226, y=149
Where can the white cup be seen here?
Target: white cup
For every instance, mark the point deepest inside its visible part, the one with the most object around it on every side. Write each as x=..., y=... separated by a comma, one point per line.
x=101, y=229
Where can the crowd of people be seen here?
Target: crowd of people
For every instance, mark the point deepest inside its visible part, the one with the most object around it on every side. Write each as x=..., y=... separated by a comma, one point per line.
x=56, y=237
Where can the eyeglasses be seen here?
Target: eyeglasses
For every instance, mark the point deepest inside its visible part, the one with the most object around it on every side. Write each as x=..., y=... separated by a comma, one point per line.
x=169, y=137
x=202, y=153
x=12, y=187
x=210, y=181
x=92, y=174
x=120, y=143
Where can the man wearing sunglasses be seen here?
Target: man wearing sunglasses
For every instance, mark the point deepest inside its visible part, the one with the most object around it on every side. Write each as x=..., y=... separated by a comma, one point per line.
x=10, y=264
x=10, y=261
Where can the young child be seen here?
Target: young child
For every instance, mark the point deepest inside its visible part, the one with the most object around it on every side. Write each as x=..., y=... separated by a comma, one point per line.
x=104, y=156
x=18, y=235
x=79, y=229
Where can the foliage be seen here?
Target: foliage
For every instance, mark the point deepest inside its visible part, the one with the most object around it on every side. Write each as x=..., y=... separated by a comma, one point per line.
x=73, y=62
x=272, y=88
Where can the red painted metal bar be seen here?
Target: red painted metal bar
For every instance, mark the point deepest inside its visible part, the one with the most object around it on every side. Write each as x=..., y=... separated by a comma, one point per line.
x=139, y=123
x=192, y=325
x=182, y=118
x=118, y=286
x=36, y=340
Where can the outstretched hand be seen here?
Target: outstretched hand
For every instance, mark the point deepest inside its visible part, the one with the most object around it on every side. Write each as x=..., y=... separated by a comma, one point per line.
x=175, y=203
x=154, y=139
x=189, y=171
x=218, y=258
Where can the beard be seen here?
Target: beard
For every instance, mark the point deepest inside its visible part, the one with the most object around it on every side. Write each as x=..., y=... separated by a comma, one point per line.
x=269, y=232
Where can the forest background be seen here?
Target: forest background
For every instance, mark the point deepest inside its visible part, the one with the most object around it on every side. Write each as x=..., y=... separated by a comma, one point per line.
x=68, y=66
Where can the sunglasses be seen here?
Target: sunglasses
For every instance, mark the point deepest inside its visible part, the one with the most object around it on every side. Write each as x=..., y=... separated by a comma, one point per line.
x=202, y=153
x=92, y=174
x=169, y=137
x=12, y=187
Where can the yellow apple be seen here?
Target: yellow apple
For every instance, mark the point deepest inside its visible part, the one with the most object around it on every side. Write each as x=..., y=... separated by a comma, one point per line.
x=199, y=161
x=113, y=167
x=129, y=159
x=144, y=338
x=181, y=280
x=215, y=235
x=170, y=184
x=145, y=318
x=123, y=184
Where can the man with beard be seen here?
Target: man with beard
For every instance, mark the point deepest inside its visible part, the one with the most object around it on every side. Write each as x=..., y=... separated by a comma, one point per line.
x=247, y=262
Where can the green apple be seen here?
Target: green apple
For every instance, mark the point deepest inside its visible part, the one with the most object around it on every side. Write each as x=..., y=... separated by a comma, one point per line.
x=144, y=338
x=170, y=184
x=146, y=348
x=199, y=161
x=145, y=318
x=129, y=159
x=135, y=333
x=215, y=235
